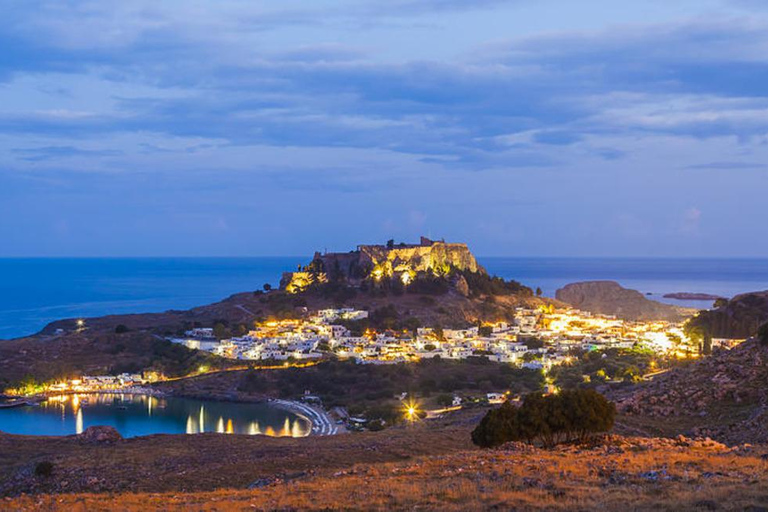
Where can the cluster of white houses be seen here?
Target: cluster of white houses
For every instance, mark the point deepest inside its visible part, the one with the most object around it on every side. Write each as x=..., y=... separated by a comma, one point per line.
x=558, y=332
x=95, y=383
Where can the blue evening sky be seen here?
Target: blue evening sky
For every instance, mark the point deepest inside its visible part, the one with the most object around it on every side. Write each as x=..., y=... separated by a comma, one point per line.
x=253, y=127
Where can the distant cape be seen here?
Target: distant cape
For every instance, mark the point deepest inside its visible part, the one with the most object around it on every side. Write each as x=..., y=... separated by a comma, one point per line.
x=610, y=298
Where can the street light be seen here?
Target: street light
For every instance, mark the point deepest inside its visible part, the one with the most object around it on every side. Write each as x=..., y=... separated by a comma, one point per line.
x=411, y=411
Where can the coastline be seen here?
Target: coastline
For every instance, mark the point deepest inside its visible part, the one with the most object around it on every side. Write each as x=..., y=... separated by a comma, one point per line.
x=322, y=423
x=320, y=419
x=30, y=315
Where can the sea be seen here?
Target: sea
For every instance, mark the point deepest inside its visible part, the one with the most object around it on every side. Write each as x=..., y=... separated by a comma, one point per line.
x=36, y=291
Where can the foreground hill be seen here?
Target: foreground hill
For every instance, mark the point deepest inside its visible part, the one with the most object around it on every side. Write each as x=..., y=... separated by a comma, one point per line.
x=379, y=472
x=722, y=396
x=610, y=298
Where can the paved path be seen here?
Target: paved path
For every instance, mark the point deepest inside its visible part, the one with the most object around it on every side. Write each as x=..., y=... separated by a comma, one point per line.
x=322, y=424
x=245, y=309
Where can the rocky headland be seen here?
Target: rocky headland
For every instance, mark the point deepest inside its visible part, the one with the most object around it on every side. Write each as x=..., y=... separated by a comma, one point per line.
x=610, y=298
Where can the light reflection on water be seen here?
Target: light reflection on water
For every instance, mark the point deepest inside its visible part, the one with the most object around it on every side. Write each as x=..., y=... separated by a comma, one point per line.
x=135, y=415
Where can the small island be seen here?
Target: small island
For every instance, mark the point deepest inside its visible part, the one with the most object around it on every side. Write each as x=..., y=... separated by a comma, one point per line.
x=692, y=296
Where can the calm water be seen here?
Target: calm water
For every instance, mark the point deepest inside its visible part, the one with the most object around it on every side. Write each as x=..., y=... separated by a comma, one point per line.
x=657, y=276
x=140, y=415
x=34, y=292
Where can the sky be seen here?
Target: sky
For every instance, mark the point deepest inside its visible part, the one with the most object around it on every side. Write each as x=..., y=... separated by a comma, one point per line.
x=263, y=128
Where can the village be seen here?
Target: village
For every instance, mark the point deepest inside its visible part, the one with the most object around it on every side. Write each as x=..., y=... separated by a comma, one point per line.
x=537, y=339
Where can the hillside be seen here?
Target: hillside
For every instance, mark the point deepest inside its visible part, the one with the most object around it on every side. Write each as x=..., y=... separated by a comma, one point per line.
x=421, y=468
x=610, y=298
x=738, y=318
x=723, y=396
x=117, y=343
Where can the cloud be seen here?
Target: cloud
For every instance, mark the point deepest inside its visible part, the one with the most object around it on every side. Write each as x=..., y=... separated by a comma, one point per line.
x=57, y=152
x=310, y=100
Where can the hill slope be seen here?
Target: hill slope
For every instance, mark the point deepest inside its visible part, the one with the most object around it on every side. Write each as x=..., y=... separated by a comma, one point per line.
x=723, y=396
x=650, y=474
x=739, y=318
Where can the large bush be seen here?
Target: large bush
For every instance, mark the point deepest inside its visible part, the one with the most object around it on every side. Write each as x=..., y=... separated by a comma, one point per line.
x=551, y=419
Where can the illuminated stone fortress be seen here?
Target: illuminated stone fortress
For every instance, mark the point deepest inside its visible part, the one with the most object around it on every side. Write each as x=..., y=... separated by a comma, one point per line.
x=378, y=262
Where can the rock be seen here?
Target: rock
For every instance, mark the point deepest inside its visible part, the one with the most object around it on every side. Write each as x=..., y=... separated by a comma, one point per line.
x=261, y=482
x=99, y=434
x=610, y=298
x=462, y=286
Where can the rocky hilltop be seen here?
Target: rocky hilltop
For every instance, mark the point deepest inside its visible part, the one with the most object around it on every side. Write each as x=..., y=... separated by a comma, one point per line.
x=403, y=262
x=610, y=298
x=739, y=318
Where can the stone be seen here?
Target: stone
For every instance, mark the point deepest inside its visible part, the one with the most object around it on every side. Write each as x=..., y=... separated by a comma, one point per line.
x=100, y=434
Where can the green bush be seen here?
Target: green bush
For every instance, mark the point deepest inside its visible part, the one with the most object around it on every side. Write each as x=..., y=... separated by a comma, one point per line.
x=550, y=419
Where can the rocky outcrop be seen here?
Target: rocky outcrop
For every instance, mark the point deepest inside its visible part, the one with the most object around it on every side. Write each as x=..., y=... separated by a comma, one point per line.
x=99, y=435
x=739, y=318
x=426, y=257
x=610, y=298
x=391, y=261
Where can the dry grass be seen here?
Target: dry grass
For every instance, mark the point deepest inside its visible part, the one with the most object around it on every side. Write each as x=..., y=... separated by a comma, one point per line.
x=635, y=477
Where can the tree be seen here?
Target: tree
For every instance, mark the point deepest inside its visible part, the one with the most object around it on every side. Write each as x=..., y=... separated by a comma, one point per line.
x=550, y=419
x=497, y=427
x=267, y=287
x=390, y=244
x=539, y=293
x=485, y=331
x=762, y=334
x=220, y=331
x=533, y=343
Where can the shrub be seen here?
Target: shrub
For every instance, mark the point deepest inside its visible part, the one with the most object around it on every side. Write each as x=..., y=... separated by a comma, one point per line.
x=44, y=468
x=551, y=419
x=120, y=329
x=762, y=334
